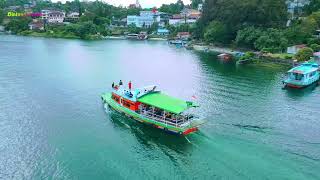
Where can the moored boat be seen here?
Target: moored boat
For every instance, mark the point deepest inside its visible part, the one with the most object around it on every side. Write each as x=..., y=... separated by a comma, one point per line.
x=177, y=42
x=302, y=75
x=147, y=105
x=132, y=36
x=142, y=36
x=225, y=56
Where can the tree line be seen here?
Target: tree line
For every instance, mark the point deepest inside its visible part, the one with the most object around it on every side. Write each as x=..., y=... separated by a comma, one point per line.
x=258, y=24
x=94, y=17
x=263, y=25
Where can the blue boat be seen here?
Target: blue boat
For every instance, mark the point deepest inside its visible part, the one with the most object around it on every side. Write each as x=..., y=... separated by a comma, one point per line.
x=302, y=75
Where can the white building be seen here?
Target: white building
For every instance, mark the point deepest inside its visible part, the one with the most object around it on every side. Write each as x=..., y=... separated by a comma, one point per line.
x=146, y=19
x=294, y=49
x=53, y=16
x=187, y=16
x=178, y=20
x=74, y=15
x=133, y=20
x=296, y=5
x=36, y=26
x=200, y=7
x=44, y=14
x=56, y=17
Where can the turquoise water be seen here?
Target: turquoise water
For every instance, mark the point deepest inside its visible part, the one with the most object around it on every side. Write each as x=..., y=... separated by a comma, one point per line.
x=53, y=124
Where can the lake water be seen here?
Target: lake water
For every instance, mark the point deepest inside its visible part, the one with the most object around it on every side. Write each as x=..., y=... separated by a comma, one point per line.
x=53, y=124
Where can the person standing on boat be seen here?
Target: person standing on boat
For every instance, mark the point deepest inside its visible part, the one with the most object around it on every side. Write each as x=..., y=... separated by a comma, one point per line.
x=112, y=85
x=130, y=85
x=120, y=83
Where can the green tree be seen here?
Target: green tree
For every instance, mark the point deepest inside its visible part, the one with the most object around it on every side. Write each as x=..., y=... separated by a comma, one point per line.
x=132, y=28
x=73, y=29
x=316, y=17
x=296, y=35
x=101, y=21
x=237, y=14
x=313, y=40
x=2, y=4
x=195, y=3
x=154, y=27
x=216, y=32
x=2, y=15
x=271, y=40
x=173, y=8
x=304, y=54
x=105, y=32
x=248, y=36
x=183, y=28
x=42, y=5
x=86, y=28
x=315, y=47
x=18, y=24
x=133, y=11
x=87, y=16
x=313, y=6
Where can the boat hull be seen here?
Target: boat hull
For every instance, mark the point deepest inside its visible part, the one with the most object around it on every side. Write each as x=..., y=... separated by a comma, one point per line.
x=106, y=98
x=300, y=86
x=294, y=86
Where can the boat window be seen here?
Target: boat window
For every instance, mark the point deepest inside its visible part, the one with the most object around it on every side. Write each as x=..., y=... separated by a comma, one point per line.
x=115, y=98
x=312, y=74
x=298, y=76
x=126, y=104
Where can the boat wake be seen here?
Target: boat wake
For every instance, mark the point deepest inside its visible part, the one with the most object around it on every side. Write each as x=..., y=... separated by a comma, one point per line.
x=251, y=127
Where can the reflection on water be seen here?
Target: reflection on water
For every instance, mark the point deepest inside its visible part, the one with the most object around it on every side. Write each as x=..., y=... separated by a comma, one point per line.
x=52, y=124
x=300, y=93
x=147, y=134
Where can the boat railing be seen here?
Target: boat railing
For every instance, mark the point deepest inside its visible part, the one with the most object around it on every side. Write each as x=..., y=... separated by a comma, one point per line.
x=178, y=121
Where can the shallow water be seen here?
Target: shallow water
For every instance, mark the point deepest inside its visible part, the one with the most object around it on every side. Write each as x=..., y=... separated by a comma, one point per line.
x=53, y=124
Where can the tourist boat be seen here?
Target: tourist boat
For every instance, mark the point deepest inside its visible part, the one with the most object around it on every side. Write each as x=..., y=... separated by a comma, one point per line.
x=132, y=36
x=142, y=36
x=177, y=42
x=225, y=56
x=303, y=75
x=147, y=105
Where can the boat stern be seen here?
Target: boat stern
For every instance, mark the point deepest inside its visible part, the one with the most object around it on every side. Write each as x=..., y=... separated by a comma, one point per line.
x=193, y=126
x=190, y=130
x=294, y=84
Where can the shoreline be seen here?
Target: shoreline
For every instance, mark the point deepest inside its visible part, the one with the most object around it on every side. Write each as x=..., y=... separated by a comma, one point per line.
x=196, y=47
x=93, y=37
x=207, y=48
x=259, y=59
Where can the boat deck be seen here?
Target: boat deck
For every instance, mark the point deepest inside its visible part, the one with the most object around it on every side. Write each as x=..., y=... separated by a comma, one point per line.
x=178, y=122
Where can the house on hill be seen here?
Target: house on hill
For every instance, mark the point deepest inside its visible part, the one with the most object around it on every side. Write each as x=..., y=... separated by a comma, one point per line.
x=294, y=49
x=56, y=17
x=183, y=35
x=36, y=25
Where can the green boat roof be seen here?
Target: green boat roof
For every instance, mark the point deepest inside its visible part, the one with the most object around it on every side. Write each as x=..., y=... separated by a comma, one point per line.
x=165, y=102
